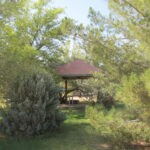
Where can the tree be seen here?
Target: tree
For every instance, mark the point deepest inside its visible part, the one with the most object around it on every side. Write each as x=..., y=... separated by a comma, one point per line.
x=30, y=36
x=136, y=20
x=111, y=45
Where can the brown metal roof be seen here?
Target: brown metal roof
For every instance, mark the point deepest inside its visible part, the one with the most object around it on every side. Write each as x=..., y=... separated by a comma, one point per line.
x=77, y=69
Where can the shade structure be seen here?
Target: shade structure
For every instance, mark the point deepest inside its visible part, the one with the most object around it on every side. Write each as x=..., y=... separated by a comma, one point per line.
x=77, y=69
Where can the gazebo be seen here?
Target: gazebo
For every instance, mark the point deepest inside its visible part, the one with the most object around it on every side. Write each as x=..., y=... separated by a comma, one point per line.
x=77, y=69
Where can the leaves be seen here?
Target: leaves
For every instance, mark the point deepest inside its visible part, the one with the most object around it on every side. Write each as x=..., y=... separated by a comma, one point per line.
x=33, y=102
x=31, y=33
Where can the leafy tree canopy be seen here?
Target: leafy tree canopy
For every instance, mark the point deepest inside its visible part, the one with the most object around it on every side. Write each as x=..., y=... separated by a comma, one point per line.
x=31, y=33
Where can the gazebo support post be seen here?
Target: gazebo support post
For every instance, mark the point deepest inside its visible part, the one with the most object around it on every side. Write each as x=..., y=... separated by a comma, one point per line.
x=66, y=90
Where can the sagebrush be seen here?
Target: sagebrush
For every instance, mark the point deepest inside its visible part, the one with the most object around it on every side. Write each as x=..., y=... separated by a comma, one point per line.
x=33, y=103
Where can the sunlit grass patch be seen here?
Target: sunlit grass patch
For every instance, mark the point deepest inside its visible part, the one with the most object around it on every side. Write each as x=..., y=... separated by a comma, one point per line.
x=75, y=133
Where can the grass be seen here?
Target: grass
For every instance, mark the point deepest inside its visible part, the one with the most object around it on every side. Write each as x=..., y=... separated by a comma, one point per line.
x=74, y=134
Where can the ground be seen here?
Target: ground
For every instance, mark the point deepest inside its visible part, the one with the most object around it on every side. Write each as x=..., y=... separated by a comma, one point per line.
x=74, y=134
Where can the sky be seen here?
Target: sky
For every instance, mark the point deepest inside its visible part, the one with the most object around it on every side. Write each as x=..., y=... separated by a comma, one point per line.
x=78, y=9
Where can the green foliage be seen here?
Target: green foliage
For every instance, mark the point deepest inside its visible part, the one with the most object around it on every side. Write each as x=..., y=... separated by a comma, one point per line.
x=101, y=119
x=33, y=106
x=2, y=102
x=120, y=46
x=107, y=45
x=112, y=124
x=33, y=33
x=105, y=99
x=135, y=93
x=75, y=134
x=132, y=87
x=145, y=79
x=124, y=134
x=110, y=44
x=135, y=17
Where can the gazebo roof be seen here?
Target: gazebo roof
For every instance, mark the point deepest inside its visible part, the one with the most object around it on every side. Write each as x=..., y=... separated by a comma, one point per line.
x=77, y=69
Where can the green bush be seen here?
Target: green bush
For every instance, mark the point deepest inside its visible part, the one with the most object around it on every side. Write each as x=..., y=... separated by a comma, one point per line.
x=33, y=106
x=134, y=92
x=105, y=99
x=128, y=132
x=102, y=119
x=111, y=124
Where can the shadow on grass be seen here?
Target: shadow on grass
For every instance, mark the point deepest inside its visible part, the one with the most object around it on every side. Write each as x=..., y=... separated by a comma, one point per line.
x=74, y=134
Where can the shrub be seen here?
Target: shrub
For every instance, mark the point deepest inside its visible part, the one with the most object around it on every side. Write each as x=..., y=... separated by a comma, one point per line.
x=129, y=132
x=2, y=102
x=105, y=99
x=33, y=106
x=134, y=91
x=102, y=119
x=112, y=125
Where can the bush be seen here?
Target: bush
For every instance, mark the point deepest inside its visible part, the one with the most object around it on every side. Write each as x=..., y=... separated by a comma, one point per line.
x=33, y=106
x=131, y=131
x=111, y=124
x=102, y=119
x=134, y=91
x=106, y=100
x=2, y=102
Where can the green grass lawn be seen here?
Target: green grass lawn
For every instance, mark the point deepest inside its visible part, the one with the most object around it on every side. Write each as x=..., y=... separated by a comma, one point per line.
x=74, y=134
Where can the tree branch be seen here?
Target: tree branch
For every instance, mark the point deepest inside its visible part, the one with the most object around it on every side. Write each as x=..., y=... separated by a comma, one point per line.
x=131, y=5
